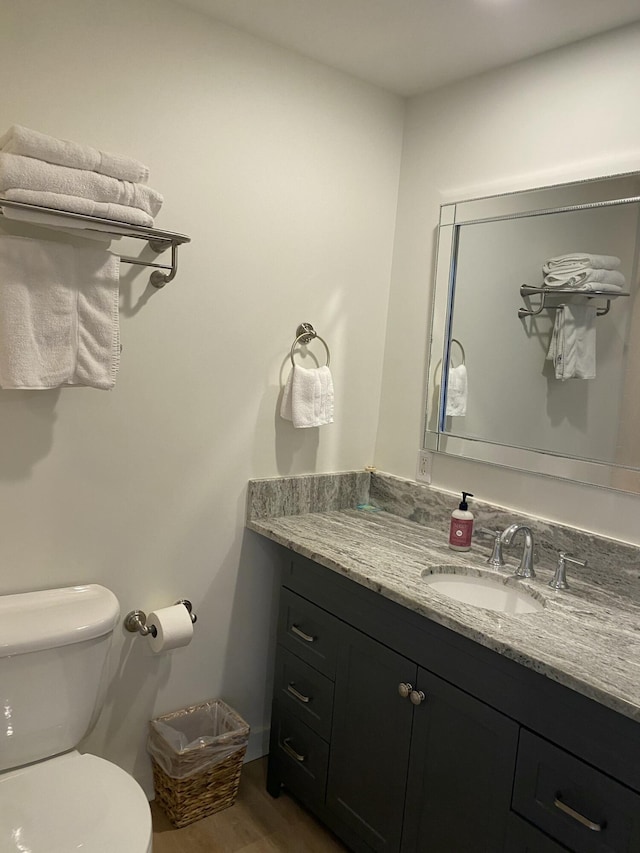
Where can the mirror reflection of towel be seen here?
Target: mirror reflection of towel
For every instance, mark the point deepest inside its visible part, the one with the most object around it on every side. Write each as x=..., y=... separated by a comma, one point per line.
x=457, y=391
x=573, y=342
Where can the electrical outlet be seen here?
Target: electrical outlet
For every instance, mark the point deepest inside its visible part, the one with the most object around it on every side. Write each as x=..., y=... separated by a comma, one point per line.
x=425, y=462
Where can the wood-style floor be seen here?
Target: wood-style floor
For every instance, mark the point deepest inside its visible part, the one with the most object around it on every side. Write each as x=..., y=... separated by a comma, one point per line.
x=255, y=823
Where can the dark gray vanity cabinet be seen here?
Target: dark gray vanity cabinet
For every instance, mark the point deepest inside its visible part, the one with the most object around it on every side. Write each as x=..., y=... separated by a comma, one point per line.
x=434, y=776
x=524, y=838
x=463, y=755
x=488, y=757
x=396, y=769
x=370, y=740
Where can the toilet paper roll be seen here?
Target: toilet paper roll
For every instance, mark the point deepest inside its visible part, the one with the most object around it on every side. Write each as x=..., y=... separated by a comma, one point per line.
x=173, y=626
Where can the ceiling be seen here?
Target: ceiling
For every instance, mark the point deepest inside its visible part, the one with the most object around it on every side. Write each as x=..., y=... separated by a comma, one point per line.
x=410, y=46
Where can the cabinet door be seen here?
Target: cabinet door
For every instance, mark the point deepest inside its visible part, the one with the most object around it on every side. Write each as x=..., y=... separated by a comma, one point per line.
x=461, y=770
x=370, y=740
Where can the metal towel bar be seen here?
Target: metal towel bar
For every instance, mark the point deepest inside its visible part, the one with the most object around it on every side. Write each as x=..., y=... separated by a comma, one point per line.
x=527, y=290
x=157, y=240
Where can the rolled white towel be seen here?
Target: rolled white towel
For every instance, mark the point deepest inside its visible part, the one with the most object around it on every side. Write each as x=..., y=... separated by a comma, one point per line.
x=77, y=204
x=576, y=261
x=587, y=279
x=32, y=143
x=26, y=173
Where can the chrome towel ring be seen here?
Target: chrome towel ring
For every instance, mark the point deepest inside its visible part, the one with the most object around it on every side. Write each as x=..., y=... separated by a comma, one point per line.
x=456, y=341
x=304, y=334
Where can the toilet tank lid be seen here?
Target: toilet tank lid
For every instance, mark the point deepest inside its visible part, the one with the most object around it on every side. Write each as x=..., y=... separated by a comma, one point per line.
x=32, y=621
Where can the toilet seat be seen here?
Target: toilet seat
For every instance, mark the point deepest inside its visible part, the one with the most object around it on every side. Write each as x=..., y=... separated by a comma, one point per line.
x=73, y=802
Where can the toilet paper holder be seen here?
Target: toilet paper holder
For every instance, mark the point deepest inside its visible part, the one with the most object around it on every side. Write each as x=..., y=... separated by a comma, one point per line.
x=136, y=620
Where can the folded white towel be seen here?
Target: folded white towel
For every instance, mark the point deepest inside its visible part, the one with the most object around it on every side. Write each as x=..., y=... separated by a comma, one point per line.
x=26, y=173
x=58, y=315
x=77, y=204
x=457, y=391
x=587, y=279
x=576, y=261
x=32, y=143
x=573, y=342
x=307, y=399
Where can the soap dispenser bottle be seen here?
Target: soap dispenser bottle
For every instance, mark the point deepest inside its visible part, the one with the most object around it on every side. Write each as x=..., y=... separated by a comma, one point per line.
x=461, y=526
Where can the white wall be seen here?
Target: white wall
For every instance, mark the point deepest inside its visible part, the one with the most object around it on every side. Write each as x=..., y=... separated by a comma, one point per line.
x=285, y=174
x=569, y=114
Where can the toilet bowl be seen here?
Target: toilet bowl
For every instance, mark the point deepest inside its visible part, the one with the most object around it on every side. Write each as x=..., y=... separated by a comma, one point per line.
x=53, y=651
x=73, y=803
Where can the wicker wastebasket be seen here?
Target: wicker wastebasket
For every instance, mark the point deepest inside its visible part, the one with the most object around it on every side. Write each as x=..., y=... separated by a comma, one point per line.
x=197, y=756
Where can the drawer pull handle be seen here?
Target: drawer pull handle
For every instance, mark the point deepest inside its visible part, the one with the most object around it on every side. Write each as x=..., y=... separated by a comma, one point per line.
x=306, y=637
x=595, y=827
x=404, y=689
x=291, y=689
x=286, y=745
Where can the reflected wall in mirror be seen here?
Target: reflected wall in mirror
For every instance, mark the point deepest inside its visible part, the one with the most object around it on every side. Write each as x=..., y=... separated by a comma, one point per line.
x=498, y=390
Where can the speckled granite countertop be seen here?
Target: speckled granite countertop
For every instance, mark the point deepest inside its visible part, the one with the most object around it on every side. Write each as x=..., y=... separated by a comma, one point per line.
x=587, y=638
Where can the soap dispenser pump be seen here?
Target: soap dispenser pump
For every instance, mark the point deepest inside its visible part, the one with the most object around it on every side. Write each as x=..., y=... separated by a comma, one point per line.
x=461, y=525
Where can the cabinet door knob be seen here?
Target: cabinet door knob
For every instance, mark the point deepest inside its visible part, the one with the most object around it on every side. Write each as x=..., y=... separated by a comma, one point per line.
x=417, y=697
x=404, y=689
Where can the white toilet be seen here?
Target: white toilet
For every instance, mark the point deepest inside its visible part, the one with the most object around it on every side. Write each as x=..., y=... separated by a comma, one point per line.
x=53, y=651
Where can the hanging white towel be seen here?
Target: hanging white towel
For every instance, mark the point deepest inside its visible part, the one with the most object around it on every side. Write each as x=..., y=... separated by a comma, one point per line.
x=77, y=204
x=27, y=173
x=307, y=399
x=457, y=392
x=572, y=349
x=587, y=279
x=58, y=315
x=576, y=261
x=32, y=143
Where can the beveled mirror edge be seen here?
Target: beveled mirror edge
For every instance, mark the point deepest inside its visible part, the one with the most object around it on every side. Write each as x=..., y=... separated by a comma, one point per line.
x=587, y=472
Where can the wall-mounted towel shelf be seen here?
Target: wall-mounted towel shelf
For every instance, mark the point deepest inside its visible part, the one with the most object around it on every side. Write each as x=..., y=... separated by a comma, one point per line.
x=158, y=240
x=545, y=292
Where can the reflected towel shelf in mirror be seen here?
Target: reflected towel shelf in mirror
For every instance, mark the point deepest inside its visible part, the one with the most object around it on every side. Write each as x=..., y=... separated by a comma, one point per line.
x=527, y=290
x=158, y=240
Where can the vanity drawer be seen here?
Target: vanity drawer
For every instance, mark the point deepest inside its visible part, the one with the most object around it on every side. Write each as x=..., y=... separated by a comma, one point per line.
x=524, y=838
x=302, y=757
x=573, y=802
x=304, y=692
x=309, y=632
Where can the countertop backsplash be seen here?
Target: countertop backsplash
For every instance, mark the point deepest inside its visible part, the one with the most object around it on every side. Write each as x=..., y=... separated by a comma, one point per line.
x=429, y=507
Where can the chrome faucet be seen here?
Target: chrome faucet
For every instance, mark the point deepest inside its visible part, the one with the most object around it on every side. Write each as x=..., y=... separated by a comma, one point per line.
x=525, y=569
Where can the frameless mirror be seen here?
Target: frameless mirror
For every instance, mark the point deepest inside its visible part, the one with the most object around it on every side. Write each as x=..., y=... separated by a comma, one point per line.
x=514, y=271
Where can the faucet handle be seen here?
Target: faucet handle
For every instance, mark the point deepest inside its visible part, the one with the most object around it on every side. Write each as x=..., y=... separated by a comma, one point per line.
x=562, y=555
x=496, y=559
x=559, y=580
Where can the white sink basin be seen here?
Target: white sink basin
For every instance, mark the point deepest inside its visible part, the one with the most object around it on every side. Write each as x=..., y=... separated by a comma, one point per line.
x=491, y=593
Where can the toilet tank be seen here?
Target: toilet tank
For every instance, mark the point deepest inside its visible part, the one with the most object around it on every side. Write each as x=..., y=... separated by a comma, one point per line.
x=53, y=652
